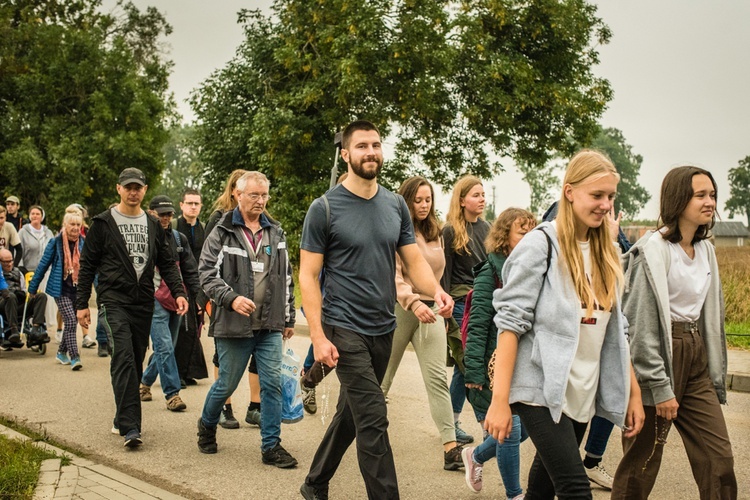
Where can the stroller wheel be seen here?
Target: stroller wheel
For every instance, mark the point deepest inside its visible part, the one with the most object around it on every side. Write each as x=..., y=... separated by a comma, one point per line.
x=42, y=349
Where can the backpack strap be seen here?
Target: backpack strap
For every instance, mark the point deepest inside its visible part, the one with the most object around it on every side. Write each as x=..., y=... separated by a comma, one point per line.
x=549, y=252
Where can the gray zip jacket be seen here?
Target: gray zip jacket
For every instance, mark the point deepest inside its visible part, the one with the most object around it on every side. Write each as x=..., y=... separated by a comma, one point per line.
x=226, y=273
x=646, y=305
x=544, y=313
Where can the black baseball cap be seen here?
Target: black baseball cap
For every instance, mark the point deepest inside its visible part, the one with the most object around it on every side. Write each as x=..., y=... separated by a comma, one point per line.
x=162, y=204
x=131, y=176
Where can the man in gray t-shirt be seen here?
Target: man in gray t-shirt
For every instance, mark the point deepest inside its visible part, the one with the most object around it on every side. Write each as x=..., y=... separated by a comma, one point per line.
x=134, y=231
x=354, y=233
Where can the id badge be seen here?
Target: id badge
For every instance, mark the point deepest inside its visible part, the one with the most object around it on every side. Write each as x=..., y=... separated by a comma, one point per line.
x=258, y=266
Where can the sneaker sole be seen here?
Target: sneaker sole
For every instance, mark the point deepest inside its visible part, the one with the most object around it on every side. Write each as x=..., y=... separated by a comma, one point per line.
x=77, y=367
x=183, y=407
x=288, y=465
x=232, y=425
x=133, y=443
x=603, y=486
x=453, y=466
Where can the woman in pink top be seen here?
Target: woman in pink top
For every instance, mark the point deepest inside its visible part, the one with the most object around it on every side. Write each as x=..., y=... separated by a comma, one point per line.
x=418, y=322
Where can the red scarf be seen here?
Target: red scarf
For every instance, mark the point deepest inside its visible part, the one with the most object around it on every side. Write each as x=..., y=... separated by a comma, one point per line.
x=71, y=262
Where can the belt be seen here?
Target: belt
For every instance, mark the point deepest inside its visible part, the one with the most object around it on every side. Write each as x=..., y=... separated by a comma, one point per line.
x=680, y=327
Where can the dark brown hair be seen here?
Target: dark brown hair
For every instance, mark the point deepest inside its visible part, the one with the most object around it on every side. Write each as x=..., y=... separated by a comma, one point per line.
x=676, y=193
x=189, y=191
x=498, y=239
x=353, y=127
x=429, y=228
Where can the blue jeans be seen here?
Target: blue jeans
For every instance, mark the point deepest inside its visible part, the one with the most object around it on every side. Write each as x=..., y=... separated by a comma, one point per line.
x=599, y=431
x=234, y=355
x=458, y=387
x=508, y=457
x=165, y=326
x=309, y=360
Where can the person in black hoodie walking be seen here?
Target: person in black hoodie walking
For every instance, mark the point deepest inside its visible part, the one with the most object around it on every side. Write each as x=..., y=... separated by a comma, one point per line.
x=122, y=247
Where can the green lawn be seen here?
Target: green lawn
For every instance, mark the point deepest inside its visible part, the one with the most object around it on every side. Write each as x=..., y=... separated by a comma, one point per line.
x=741, y=337
x=19, y=467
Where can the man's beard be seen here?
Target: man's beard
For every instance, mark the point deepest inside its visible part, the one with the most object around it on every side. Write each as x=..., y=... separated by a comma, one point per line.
x=367, y=174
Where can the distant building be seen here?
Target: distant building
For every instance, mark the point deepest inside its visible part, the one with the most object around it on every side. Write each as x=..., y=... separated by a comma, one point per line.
x=730, y=234
x=634, y=233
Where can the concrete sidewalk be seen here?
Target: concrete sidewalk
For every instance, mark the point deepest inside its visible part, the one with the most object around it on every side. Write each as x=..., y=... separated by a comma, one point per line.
x=76, y=409
x=738, y=370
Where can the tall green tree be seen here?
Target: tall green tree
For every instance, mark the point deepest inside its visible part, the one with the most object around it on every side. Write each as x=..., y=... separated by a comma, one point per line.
x=83, y=94
x=183, y=168
x=451, y=85
x=739, y=189
x=631, y=196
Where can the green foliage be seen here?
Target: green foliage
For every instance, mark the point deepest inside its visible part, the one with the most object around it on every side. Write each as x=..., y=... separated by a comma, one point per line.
x=739, y=189
x=451, y=85
x=82, y=96
x=19, y=467
x=631, y=196
x=182, y=168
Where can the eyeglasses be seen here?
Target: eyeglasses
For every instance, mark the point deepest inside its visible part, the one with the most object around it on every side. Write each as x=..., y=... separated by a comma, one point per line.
x=192, y=203
x=256, y=196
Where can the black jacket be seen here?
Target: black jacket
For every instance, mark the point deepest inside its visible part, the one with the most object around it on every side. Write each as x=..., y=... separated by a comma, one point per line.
x=198, y=233
x=105, y=254
x=188, y=265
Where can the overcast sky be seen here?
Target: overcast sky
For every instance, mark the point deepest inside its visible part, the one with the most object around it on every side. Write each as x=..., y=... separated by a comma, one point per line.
x=679, y=70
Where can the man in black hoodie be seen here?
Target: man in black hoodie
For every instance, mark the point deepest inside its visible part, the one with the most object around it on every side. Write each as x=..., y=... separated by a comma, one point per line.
x=122, y=247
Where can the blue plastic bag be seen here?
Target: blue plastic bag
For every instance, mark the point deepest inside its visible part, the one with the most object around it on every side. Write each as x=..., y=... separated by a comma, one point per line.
x=292, y=409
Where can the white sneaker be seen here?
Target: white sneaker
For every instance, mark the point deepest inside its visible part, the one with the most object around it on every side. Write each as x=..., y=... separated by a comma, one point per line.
x=600, y=476
x=58, y=336
x=88, y=342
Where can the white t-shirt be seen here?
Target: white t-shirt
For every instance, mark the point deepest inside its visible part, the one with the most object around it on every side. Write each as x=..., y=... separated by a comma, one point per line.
x=688, y=281
x=134, y=230
x=583, y=380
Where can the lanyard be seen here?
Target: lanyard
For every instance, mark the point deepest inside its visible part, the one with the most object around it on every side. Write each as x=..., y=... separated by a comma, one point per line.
x=254, y=240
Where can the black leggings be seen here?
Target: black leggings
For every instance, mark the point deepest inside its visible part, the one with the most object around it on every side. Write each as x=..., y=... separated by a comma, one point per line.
x=557, y=468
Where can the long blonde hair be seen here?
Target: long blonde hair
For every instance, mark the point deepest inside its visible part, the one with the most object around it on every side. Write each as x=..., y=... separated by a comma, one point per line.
x=606, y=274
x=226, y=201
x=455, y=217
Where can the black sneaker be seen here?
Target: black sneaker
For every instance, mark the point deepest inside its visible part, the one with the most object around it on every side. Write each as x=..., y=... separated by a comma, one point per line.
x=102, y=350
x=279, y=457
x=312, y=493
x=133, y=439
x=227, y=420
x=206, y=438
x=14, y=337
x=452, y=458
x=191, y=381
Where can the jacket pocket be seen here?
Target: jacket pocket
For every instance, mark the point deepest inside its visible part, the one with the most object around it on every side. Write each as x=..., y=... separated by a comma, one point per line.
x=553, y=354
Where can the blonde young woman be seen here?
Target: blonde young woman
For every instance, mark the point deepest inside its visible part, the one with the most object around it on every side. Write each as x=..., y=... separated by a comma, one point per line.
x=226, y=202
x=417, y=319
x=464, y=234
x=562, y=353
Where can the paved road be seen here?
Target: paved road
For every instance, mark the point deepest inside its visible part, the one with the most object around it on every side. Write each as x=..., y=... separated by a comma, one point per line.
x=76, y=408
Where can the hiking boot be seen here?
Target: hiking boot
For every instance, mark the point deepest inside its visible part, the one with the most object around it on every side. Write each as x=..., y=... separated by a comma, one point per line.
x=473, y=470
x=252, y=417
x=308, y=399
x=175, y=403
x=62, y=358
x=88, y=342
x=312, y=493
x=75, y=364
x=461, y=436
x=133, y=439
x=227, y=420
x=452, y=458
x=103, y=350
x=206, y=438
x=145, y=392
x=279, y=457
x=600, y=476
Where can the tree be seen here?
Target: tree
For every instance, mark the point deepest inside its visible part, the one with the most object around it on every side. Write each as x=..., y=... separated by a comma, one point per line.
x=631, y=196
x=451, y=85
x=739, y=189
x=82, y=95
x=182, y=168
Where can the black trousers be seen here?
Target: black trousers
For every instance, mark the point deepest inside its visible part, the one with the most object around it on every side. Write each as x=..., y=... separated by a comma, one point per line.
x=557, y=468
x=128, y=328
x=12, y=309
x=361, y=413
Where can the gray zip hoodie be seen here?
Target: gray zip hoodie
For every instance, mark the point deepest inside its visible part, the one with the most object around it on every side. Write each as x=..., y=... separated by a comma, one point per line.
x=646, y=305
x=544, y=312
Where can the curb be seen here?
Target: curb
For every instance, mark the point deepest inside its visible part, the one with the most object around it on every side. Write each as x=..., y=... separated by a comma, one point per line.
x=739, y=382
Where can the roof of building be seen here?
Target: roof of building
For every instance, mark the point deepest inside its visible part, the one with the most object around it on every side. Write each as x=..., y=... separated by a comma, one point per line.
x=730, y=229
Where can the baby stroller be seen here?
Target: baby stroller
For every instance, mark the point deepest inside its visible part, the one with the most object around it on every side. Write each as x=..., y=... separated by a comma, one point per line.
x=33, y=337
